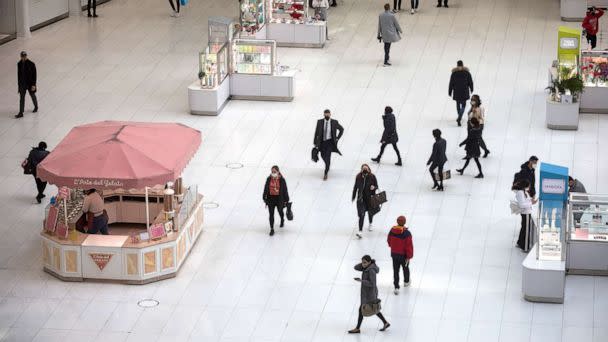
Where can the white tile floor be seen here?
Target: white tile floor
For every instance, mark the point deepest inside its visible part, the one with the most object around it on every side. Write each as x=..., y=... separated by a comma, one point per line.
x=134, y=63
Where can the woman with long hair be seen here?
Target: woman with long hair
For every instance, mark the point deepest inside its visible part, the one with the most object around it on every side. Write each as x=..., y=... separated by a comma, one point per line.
x=524, y=202
x=478, y=112
x=471, y=144
x=275, y=196
x=369, y=291
x=365, y=186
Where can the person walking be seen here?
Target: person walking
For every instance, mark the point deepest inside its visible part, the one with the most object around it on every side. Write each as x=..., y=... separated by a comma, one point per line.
x=591, y=24
x=472, y=143
x=175, y=7
x=414, y=4
x=389, y=31
x=397, y=6
x=92, y=4
x=321, y=7
x=478, y=112
x=26, y=82
x=461, y=85
x=389, y=136
x=437, y=159
x=524, y=202
x=327, y=134
x=402, y=251
x=365, y=187
x=369, y=291
x=527, y=172
x=35, y=157
x=275, y=196
x=445, y=3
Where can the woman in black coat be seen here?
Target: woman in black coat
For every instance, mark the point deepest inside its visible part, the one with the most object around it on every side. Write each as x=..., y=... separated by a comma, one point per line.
x=389, y=136
x=275, y=195
x=437, y=159
x=365, y=186
x=472, y=147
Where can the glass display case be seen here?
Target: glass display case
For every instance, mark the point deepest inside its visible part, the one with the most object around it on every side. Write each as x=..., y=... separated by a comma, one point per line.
x=588, y=217
x=594, y=68
x=551, y=237
x=253, y=16
x=221, y=30
x=213, y=65
x=253, y=56
x=288, y=11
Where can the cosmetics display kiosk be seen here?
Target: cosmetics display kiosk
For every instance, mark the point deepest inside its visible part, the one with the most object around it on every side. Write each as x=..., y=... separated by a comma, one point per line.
x=290, y=25
x=594, y=71
x=587, y=236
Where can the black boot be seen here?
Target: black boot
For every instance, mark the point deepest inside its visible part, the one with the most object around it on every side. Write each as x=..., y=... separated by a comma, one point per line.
x=377, y=159
x=271, y=231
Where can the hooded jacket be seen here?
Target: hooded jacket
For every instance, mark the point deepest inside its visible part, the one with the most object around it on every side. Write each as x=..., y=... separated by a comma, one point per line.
x=369, y=290
x=461, y=84
x=528, y=174
x=591, y=22
x=400, y=241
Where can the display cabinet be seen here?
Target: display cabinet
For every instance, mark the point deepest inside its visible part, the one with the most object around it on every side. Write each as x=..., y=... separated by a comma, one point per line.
x=213, y=65
x=588, y=234
x=288, y=11
x=256, y=57
x=253, y=16
x=594, y=68
x=221, y=30
x=551, y=237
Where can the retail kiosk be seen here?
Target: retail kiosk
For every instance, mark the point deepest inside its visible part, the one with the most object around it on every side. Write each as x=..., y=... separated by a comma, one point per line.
x=290, y=25
x=594, y=70
x=587, y=236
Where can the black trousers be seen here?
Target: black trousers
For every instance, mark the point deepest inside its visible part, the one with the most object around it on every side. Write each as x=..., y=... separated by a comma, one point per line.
x=383, y=146
x=22, y=93
x=177, y=4
x=363, y=208
x=414, y=4
x=440, y=172
x=400, y=262
x=40, y=185
x=273, y=202
x=525, y=224
x=445, y=2
x=327, y=148
x=387, y=51
x=466, y=163
x=592, y=39
x=360, y=319
x=94, y=6
x=396, y=4
x=460, y=106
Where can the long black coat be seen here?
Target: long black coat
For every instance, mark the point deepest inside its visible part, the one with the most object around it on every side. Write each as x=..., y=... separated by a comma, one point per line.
x=336, y=133
x=26, y=74
x=363, y=193
x=461, y=84
x=283, y=192
x=438, y=156
x=35, y=157
x=472, y=143
x=389, y=135
x=528, y=174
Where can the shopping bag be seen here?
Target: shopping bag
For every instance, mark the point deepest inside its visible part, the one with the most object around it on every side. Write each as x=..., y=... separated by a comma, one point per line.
x=289, y=212
x=446, y=175
x=27, y=167
x=377, y=199
x=314, y=154
x=371, y=309
x=183, y=2
x=515, y=210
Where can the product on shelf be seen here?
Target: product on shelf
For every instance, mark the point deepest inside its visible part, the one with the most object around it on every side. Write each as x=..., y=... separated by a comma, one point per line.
x=252, y=15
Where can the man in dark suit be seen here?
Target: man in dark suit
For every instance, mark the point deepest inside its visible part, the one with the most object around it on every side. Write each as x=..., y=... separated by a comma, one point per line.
x=389, y=136
x=26, y=80
x=461, y=85
x=327, y=134
x=437, y=159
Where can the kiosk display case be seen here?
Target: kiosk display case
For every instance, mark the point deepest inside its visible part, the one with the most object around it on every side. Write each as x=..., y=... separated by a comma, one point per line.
x=594, y=71
x=253, y=57
x=588, y=234
x=288, y=11
x=221, y=29
x=551, y=219
x=290, y=25
x=253, y=18
x=210, y=93
x=213, y=64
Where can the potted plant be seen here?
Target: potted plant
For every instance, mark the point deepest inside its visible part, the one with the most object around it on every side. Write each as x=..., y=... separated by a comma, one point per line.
x=201, y=76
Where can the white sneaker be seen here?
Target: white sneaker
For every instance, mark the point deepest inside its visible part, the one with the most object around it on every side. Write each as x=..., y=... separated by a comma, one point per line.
x=396, y=292
x=359, y=235
x=173, y=14
x=415, y=10
x=412, y=11
x=370, y=227
x=177, y=15
x=406, y=284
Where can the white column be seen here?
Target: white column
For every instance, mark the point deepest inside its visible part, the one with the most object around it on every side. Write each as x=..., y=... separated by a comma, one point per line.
x=22, y=14
x=75, y=8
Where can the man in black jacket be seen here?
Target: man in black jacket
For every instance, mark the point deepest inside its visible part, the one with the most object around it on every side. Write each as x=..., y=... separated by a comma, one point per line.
x=437, y=159
x=527, y=172
x=461, y=85
x=327, y=134
x=389, y=136
x=36, y=156
x=26, y=81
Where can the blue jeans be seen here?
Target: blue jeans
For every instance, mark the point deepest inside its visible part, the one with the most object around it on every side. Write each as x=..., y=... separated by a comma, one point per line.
x=387, y=51
x=100, y=224
x=460, y=107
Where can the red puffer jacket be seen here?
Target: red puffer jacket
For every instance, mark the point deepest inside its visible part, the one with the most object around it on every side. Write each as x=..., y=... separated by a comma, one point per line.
x=400, y=241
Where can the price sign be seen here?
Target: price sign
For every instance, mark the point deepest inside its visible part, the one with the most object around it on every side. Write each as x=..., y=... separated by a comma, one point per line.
x=157, y=231
x=64, y=192
x=51, y=220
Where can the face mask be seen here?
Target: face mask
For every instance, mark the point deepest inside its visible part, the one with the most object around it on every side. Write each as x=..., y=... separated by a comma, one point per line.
x=326, y=117
x=473, y=103
x=533, y=166
x=274, y=175
x=365, y=171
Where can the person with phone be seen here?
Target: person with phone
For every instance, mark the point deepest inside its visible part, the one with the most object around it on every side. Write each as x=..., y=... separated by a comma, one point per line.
x=591, y=24
x=369, y=290
x=365, y=187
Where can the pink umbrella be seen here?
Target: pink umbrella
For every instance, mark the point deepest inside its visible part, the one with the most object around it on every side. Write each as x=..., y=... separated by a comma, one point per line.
x=117, y=154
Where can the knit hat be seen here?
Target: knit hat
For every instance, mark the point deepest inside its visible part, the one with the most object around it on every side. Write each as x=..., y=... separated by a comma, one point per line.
x=401, y=220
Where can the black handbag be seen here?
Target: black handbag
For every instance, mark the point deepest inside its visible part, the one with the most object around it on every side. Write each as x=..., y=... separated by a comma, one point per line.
x=27, y=167
x=289, y=213
x=377, y=199
x=314, y=154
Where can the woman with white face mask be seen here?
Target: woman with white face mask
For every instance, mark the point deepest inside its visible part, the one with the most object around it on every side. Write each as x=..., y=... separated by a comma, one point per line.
x=478, y=112
x=365, y=187
x=275, y=195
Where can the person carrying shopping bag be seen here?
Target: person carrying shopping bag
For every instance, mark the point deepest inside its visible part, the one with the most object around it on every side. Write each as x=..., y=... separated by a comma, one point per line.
x=275, y=196
x=370, y=304
x=365, y=187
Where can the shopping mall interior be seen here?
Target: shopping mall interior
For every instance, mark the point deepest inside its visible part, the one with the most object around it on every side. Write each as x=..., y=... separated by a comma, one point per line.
x=136, y=62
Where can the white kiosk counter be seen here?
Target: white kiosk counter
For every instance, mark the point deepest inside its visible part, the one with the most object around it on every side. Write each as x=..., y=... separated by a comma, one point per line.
x=313, y=34
x=263, y=87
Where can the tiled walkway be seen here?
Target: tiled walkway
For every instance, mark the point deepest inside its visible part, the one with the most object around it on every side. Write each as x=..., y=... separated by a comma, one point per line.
x=134, y=63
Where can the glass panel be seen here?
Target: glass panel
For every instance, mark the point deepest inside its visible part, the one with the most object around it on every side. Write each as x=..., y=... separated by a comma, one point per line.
x=589, y=217
x=253, y=56
x=252, y=15
x=551, y=236
x=594, y=68
x=8, y=24
x=288, y=11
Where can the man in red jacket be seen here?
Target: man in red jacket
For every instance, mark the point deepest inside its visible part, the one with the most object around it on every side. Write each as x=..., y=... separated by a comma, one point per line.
x=402, y=250
x=591, y=24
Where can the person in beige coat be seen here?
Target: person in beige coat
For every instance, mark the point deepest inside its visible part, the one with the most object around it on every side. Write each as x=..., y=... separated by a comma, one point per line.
x=479, y=113
x=389, y=31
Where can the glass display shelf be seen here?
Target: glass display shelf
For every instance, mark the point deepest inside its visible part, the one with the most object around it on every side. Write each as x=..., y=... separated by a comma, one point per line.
x=253, y=56
x=589, y=217
x=594, y=68
x=221, y=29
x=551, y=219
x=213, y=62
x=253, y=15
x=288, y=11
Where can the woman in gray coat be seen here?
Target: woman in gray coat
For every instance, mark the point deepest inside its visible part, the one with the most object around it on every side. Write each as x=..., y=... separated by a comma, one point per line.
x=369, y=290
x=389, y=31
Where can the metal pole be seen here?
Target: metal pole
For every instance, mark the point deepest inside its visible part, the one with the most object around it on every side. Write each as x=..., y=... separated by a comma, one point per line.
x=147, y=211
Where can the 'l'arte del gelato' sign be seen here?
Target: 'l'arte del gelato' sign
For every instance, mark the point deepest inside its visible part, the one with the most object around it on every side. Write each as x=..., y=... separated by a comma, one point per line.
x=87, y=182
